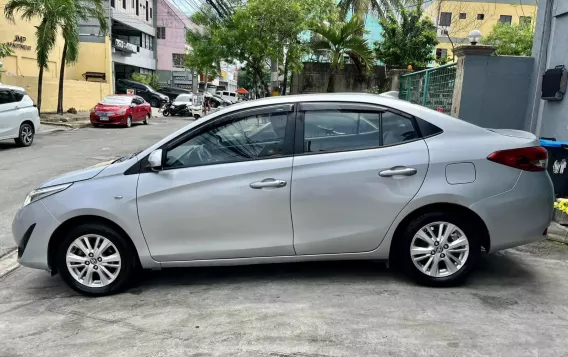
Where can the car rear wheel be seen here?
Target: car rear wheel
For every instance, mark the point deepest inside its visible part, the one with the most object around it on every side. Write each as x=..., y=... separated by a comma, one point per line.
x=147, y=120
x=439, y=249
x=95, y=260
x=25, y=135
x=129, y=122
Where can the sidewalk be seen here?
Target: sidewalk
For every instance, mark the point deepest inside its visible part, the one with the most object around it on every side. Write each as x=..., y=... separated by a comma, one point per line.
x=67, y=120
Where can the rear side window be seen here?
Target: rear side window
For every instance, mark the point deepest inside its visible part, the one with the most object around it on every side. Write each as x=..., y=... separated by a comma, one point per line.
x=427, y=129
x=18, y=96
x=343, y=130
x=6, y=96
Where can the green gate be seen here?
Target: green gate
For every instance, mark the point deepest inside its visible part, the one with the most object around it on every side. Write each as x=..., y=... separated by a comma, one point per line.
x=432, y=88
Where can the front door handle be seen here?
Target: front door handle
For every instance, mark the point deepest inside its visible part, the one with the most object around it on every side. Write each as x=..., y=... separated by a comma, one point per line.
x=398, y=171
x=266, y=183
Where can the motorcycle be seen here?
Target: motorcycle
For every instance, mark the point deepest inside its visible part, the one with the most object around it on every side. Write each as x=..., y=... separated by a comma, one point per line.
x=171, y=109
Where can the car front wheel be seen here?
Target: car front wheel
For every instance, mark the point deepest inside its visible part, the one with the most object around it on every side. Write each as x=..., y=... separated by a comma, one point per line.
x=95, y=260
x=439, y=249
x=147, y=119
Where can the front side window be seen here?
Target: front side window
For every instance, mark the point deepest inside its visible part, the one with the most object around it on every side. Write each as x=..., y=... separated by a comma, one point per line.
x=334, y=130
x=248, y=138
x=5, y=96
x=18, y=96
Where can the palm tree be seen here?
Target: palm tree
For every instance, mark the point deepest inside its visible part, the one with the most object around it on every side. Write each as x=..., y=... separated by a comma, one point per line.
x=340, y=41
x=52, y=14
x=85, y=9
x=380, y=7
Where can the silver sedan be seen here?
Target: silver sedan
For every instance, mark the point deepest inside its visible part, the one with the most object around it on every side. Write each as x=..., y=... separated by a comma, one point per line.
x=295, y=178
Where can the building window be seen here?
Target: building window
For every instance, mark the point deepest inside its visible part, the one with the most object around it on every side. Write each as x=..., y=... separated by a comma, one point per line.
x=178, y=60
x=112, y=3
x=445, y=19
x=463, y=16
x=441, y=53
x=481, y=16
x=444, y=32
x=137, y=8
x=525, y=20
x=133, y=4
x=124, y=4
x=150, y=12
x=161, y=33
x=147, y=10
x=505, y=19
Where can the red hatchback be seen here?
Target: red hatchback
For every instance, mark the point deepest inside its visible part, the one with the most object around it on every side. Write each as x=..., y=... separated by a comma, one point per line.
x=121, y=110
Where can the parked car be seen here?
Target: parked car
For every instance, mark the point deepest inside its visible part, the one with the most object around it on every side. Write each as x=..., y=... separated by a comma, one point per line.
x=122, y=110
x=227, y=95
x=19, y=117
x=191, y=102
x=150, y=95
x=290, y=179
x=173, y=92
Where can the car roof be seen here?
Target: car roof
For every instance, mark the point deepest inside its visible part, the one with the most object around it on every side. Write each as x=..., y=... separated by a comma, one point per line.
x=5, y=86
x=442, y=120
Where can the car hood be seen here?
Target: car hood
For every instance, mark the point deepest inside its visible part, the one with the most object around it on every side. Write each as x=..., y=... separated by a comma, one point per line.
x=79, y=175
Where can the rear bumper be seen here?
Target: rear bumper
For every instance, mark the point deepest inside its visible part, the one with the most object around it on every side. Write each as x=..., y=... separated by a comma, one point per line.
x=520, y=215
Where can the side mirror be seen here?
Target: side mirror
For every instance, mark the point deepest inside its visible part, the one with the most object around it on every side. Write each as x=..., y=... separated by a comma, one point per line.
x=155, y=160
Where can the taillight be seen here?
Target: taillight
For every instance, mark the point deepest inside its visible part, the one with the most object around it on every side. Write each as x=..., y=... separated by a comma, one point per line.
x=529, y=159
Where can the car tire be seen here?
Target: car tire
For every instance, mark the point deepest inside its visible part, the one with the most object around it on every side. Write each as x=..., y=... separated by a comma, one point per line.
x=166, y=113
x=128, y=122
x=94, y=276
x=417, y=257
x=25, y=135
x=154, y=103
x=96, y=125
x=147, y=120
x=196, y=116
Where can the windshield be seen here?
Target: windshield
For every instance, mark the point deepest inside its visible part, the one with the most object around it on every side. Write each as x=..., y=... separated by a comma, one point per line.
x=116, y=100
x=184, y=98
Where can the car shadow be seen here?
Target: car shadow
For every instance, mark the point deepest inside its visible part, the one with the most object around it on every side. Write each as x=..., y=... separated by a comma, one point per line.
x=9, y=144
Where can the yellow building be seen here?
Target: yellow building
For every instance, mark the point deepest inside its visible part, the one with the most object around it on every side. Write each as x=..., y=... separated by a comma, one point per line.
x=456, y=18
x=81, y=90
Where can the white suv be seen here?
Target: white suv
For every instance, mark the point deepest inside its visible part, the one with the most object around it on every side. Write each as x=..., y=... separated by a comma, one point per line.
x=19, y=117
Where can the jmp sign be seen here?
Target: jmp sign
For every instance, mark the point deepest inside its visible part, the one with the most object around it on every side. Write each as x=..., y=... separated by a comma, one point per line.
x=18, y=42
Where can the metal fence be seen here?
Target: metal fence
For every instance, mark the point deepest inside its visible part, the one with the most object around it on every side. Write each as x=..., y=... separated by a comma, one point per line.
x=432, y=88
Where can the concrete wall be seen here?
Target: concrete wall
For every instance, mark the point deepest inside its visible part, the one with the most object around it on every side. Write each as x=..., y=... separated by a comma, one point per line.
x=81, y=95
x=493, y=90
x=176, y=24
x=544, y=118
x=315, y=76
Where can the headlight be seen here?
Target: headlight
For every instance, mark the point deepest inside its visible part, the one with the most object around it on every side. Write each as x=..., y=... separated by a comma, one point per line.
x=40, y=193
x=120, y=112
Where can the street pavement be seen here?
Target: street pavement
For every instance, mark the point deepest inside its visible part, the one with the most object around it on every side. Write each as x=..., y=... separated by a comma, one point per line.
x=515, y=305
x=57, y=152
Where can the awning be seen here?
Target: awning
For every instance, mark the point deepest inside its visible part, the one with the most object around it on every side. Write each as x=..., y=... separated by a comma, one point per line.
x=242, y=91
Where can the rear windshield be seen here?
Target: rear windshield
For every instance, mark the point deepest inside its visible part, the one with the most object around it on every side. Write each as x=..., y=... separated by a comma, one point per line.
x=117, y=100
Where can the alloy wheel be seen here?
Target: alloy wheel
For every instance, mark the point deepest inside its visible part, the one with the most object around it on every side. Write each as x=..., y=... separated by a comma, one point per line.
x=128, y=122
x=27, y=135
x=93, y=260
x=439, y=249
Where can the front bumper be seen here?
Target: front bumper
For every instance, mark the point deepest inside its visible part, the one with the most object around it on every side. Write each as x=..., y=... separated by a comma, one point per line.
x=32, y=228
x=112, y=120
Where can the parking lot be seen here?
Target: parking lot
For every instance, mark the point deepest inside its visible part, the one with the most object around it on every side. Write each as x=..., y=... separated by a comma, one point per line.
x=515, y=305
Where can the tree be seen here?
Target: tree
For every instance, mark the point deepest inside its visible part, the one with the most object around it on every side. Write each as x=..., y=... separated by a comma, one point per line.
x=205, y=53
x=5, y=51
x=342, y=40
x=409, y=40
x=85, y=9
x=52, y=15
x=512, y=40
x=380, y=7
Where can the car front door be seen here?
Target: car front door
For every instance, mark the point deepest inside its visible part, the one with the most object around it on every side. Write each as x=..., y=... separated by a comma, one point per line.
x=139, y=108
x=224, y=190
x=356, y=168
x=9, y=115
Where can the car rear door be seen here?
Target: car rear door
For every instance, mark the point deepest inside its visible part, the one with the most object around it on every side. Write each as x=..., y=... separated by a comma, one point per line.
x=224, y=191
x=356, y=166
x=9, y=115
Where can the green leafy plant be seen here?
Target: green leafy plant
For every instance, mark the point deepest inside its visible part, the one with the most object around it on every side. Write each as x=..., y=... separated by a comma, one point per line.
x=562, y=206
x=407, y=40
x=511, y=40
x=150, y=79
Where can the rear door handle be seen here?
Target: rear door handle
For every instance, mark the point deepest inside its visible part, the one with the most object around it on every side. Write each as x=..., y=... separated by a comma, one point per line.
x=398, y=171
x=266, y=183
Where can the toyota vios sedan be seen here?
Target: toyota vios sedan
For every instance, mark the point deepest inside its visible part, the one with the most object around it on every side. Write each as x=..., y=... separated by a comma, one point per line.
x=295, y=178
x=121, y=110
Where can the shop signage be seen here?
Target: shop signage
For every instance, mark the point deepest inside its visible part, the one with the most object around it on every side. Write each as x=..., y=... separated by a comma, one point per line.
x=19, y=43
x=124, y=46
x=130, y=91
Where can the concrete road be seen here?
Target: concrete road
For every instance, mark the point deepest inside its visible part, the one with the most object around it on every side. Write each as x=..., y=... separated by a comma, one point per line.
x=54, y=153
x=516, y=305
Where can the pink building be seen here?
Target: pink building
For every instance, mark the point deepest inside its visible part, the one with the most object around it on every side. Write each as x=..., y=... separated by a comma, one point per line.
x=171, y=26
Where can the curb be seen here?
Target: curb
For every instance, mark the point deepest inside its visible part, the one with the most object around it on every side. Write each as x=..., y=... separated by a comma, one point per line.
x=67, y=125
x=9, y=263
x=557, y=233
